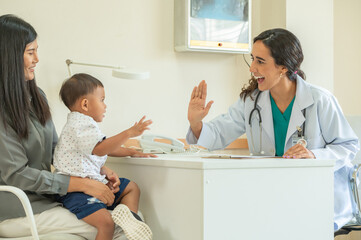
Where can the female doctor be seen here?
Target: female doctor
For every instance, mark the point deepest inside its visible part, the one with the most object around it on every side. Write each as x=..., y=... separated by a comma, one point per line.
x=282, y=115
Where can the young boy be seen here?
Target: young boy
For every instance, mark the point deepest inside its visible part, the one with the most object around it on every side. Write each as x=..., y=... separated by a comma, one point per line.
x=82, y=151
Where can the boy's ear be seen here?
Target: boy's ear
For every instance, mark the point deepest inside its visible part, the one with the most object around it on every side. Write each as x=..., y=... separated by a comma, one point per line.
x=84, y=104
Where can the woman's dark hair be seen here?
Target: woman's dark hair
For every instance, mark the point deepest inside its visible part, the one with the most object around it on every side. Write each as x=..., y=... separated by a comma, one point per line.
x=76, y=87
x=286, y=50
x=18, y=97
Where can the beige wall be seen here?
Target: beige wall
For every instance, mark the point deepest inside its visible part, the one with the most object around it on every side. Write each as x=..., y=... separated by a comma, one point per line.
x=312, y=22
x=347, y=61
x=268, y=14
x=137, y=34
x=355, y=235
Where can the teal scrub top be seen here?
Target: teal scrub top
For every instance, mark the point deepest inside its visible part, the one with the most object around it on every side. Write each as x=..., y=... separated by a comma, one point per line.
x=280, y=125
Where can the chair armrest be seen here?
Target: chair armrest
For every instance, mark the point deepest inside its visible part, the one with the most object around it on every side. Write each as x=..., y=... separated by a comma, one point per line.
x=354, y=187
x=26, y=205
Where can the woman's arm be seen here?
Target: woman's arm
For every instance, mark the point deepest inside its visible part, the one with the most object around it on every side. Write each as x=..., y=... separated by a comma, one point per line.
x=342, y=143
x=27, y=162
x=93, y=188
x=28, y=166
x=336, y=140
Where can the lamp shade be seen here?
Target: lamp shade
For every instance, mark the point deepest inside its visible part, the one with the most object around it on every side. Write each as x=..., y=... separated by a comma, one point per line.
x=129, y=74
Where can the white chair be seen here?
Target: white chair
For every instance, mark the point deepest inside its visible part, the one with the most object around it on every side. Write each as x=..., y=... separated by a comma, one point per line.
x=355, y=223
x=30, y=216
x=355, y=122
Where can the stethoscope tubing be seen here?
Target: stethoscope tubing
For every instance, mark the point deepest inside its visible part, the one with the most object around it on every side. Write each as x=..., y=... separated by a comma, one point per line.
x=260, y=122
x=255, y=109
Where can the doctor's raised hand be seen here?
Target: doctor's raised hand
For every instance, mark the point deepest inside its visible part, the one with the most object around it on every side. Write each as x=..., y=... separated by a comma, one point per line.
x=197, y=108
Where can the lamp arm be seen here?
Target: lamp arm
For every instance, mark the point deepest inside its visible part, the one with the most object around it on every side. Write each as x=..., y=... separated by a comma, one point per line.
x=118, y=71
x=68, y=62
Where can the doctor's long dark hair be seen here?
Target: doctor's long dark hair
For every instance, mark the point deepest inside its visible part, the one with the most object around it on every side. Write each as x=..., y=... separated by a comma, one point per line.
x=17, y=96
x=286, y=50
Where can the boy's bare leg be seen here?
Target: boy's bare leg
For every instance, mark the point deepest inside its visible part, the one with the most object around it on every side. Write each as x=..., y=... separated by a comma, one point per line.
x=130, y=197
x=103, y=222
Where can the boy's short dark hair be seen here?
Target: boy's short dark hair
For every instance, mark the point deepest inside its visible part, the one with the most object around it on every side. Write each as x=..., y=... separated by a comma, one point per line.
x=77, y=86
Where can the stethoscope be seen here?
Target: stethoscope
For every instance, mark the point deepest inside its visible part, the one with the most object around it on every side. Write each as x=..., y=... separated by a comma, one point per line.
x=300, y=131
x=255, y=109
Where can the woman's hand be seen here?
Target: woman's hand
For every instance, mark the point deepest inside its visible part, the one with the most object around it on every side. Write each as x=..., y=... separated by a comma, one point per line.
x=93, y=188
x=298, y=151
x=113, y=179
x=102, y=192
x=197, y=108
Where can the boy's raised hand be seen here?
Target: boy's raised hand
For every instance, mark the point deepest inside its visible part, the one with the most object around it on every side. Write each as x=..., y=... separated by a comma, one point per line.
x=139, y=127
x=110, y=146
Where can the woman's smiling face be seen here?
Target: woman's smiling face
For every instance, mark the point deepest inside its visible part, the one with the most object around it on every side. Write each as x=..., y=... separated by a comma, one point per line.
x=264, y=68
x=30, y=60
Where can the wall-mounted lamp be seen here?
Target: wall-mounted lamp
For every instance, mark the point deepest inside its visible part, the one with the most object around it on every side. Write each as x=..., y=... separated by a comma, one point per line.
x=118, y=72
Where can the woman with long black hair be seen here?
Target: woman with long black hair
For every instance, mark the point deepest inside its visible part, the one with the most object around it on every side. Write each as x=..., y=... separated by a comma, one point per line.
x=27, y=142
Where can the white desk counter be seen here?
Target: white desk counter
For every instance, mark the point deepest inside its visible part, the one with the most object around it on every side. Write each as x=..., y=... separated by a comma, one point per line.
x=187, y=197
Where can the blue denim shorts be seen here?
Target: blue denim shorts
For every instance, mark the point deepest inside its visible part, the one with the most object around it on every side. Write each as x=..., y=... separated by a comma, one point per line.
x=83, y=205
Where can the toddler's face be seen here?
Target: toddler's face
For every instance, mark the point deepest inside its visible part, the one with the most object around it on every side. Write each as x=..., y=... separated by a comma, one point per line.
x=97, y=107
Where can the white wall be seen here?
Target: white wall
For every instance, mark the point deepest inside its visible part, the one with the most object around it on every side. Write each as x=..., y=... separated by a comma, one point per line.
x=137, y=34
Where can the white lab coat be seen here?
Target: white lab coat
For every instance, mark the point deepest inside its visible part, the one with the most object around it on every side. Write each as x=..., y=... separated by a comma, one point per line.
x=328, y=134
